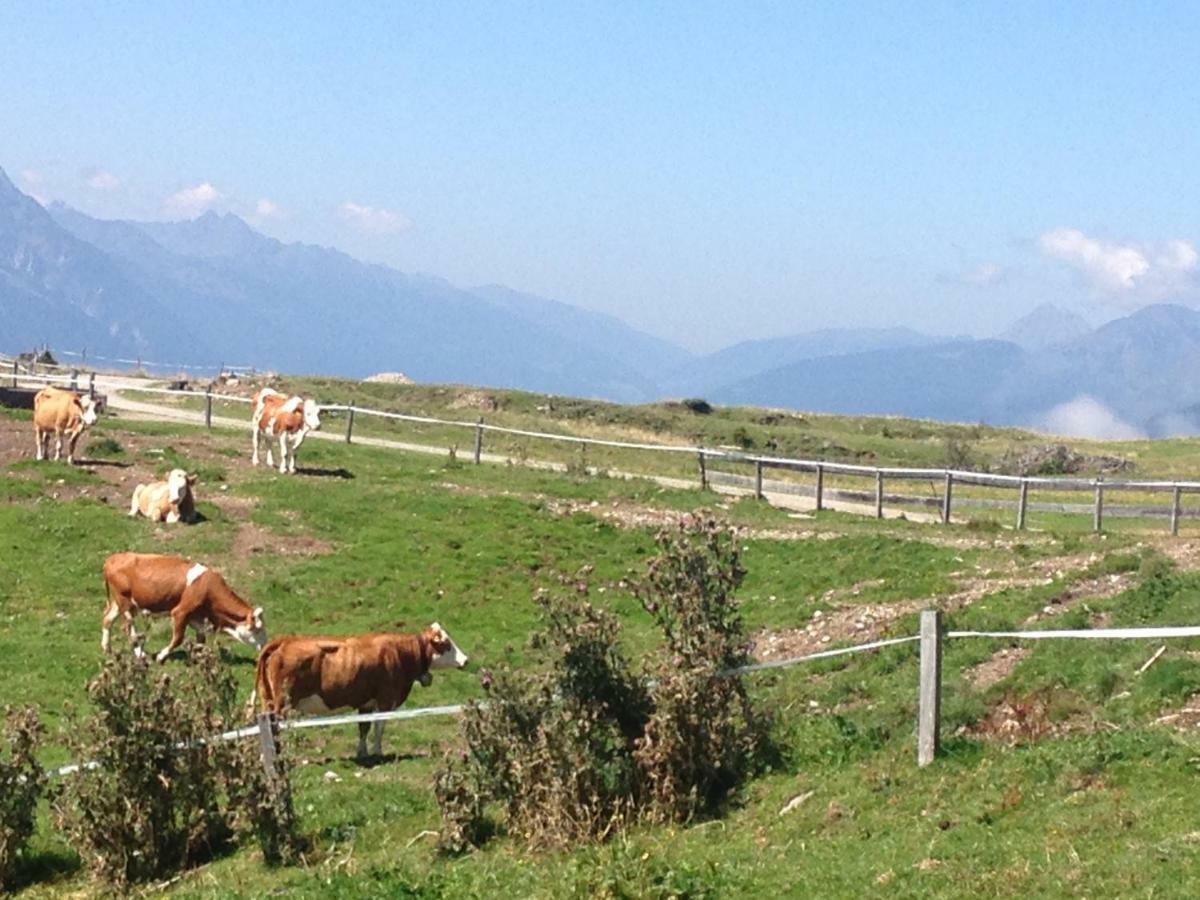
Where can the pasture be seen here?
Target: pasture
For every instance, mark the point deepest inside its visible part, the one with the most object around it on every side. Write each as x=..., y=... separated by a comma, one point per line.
x=1058, y=777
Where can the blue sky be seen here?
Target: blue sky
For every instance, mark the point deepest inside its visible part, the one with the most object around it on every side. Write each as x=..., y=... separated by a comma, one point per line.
x=709, y=172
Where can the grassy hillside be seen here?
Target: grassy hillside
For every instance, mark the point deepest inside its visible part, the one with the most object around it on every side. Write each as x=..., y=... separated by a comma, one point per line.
x=1057, y=778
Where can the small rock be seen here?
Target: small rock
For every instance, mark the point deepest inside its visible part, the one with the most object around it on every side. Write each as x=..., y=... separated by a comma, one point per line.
x=332, y=776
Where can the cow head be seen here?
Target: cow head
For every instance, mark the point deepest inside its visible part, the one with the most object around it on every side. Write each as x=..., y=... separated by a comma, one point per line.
x=178, y=483
x=312, y=415
x=446, y=654
x=251, y=630
x=89, y=411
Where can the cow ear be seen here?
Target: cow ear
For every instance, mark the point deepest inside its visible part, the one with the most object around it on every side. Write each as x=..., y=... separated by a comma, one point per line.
x=258, y=615
x=192, y=479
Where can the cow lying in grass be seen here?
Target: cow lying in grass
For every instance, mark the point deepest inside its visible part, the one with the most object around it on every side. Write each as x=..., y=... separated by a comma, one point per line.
x=167, y=501
x=288, y=418
x=368, y=672
x=64, y=414
x=191, y=594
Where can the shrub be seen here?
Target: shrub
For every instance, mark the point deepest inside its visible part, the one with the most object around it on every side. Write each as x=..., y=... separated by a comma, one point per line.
x=698, y=405
x=575, y=752
x=703, y=737
x=159, y=797
x=22, y=781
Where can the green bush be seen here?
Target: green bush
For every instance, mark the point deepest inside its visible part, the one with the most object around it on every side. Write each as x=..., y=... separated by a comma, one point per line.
x=22, y=781
x=576, y=752
x=160, y=798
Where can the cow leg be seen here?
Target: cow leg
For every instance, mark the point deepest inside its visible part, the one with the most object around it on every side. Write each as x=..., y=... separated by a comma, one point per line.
x=283, y=453
x=111, y=613
x=254, y=458
x=178, y=627
x=131, y=633
x=363, y=728
x=379, y=738
x=40, y=437
x=57, y=446
x=172, y=515
x=72, y=439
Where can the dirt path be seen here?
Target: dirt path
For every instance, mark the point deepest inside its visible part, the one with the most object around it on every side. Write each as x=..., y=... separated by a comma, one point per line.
x=156, y=412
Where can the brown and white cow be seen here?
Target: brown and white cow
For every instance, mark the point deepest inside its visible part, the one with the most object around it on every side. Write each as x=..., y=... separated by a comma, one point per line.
x=289, y=419
x=190, y=593
x=167, y=501
x=64, y=414
x=367, y=672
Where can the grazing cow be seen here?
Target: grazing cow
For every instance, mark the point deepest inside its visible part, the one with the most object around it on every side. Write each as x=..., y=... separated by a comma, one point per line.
x=288, y=418
x=191, y=594
x=167, y=501
x=368, y=672
x=64, y=414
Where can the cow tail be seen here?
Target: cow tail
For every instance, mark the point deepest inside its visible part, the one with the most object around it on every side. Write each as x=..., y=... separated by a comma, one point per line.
x=262, y=682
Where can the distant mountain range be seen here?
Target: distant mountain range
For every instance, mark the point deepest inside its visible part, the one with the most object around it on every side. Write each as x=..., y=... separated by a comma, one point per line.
x=213, y=289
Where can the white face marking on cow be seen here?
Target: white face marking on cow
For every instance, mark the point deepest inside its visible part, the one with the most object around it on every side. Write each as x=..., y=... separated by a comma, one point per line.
x=312, y=415
x=195, y=572
x=452, y=657
x=177, y=485
x=89, y=410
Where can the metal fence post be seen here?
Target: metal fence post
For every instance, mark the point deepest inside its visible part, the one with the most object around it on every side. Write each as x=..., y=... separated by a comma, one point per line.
x=1098, y=513
x=1175, y=510
x=208, y=408
x=478, y=439
x=758, y=494
x=349, y=424
x=820, y=487
x=929, y=714
x=878, y=494
x=1022, y=504
x=947, y=498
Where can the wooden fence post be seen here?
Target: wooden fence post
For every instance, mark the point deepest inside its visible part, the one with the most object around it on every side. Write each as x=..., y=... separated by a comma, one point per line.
x=1022, y=504
x=703, y=471
x=349, y=424
x=1175, y=510
x=929, y=714
x=266, y=740
x=820, y=487
x=478, y=439
x=947, y=498
x=758, y=494
x=92, y=385
x=14, y=377
x=1098, y=513
x=75, y=379
x=208, y=409
x=878, y=494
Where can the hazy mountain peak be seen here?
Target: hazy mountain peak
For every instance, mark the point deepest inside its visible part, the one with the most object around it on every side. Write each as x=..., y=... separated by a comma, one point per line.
x=1046, y=326
x=209, y=235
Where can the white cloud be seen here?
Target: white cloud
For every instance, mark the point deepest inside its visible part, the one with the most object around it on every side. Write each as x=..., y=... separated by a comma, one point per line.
x=1086, y=417
x=191, y=202
x=1141, y=271
x=101, y=180
x=267, y=209
x=372, y=219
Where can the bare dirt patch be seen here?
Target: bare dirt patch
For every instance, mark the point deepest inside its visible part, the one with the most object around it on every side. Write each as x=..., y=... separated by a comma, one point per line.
x=996, y=669
x=253, y=540
x=1025, y=719
x=1101, y=588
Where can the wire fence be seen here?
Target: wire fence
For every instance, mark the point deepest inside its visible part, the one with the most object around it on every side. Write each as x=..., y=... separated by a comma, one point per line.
x=943, y=481
x=929, y=691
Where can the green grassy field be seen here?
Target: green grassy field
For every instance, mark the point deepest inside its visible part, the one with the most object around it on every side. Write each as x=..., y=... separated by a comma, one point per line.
x=1078, y=792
